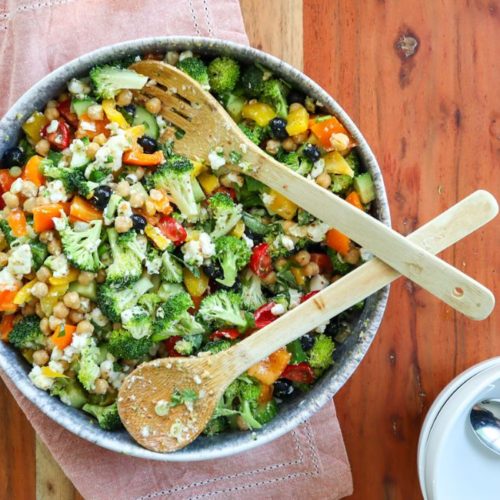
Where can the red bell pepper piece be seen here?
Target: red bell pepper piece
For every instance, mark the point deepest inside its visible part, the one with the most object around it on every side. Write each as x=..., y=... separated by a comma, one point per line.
x=323, y=261
x=61, y=138
x=173, y=230
x=170, y=346
x=261, y=262
x=64, y=109
x=263, y=315
x=226, y=333
x=302, y=373
x=226, y=190
x=308, y=296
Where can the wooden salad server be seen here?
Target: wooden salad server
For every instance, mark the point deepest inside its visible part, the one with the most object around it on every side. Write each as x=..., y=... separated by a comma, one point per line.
x=209, y=129
x=150, y=386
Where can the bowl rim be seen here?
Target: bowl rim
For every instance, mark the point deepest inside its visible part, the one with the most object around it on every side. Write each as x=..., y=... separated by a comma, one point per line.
x=70, y=418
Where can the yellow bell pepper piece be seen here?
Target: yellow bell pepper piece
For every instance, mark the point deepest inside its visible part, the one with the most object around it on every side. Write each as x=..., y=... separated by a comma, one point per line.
x=49, y=372
x=298, y=275
x=280, y=205
x=108, y=106
x=65, y=280
x=157, y=237
x=238, y=230
x=48, y=302
x=33, y=126
x=198, y=168
x=297, y=121
x=335, y=163
x=259, y=112
x=133, y=133
x=192, y=234
x=24, y=294
x=196, y=287
x=209, y=182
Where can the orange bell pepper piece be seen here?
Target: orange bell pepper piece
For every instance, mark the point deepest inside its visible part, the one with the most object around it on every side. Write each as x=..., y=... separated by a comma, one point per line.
x=269, y=370
x=6, y=326
x=43, y=215
x=7, y=300
x=323, y=130
x=137, y=157
x=91, y=128
x=266, y=393
x=32, y=171
x=6, y=180
x=63, y=335
x=17, y=222
x=338, y=241
x=354, y=199
x=83, y=210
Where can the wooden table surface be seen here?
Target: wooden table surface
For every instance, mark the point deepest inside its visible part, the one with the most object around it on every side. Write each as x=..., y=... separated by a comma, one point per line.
x=420, y=78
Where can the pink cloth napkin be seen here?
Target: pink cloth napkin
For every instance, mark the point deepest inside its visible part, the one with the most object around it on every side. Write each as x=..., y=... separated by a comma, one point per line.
x=311, y=461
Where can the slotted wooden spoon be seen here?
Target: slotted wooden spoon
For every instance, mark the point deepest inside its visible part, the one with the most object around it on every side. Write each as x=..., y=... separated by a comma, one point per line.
x=208, y=127
x=209, y=376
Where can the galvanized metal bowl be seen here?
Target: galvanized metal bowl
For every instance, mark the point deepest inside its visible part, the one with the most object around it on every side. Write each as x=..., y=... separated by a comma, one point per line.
x=348, y=354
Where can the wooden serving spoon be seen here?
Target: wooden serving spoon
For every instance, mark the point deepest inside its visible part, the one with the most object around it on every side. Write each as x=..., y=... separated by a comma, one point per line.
x=150, y=387
x=208, y=128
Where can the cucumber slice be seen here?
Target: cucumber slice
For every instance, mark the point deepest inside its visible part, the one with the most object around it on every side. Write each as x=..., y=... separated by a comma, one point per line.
x=88, y=291
x=80, y=106
x=144, y=117
x=234, y=106
x=363, y=184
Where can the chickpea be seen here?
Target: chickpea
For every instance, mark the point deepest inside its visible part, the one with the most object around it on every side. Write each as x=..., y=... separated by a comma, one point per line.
x=101, y=386
x=123, y=224
x=289, y=145
x=339, y=142
x=75, y=317
x=29, y=189
x=287, y=226
x=44, y=326
x=353, y=256
x=10, y=199
x=100, y=139
x=270, y=278
x=324, y=180
x=42, y=147
x=302, y=258
x=124, y=98
x=300, y=138
x=46, y=236
x=172, y=57
x=40, y=290
x=72, y=300
x=280, y=264
x=156, y=195
x=85, y=278
x=153, y=105
x=54, y=247
x=29, y=205
x=85, y=327
x=52, y=104
x=123, y=189
x=137, y=200
x=101, y=276
x=43, y=274
x=139, y=173
x=41, y=200
x=272, y=146
x=311, y=269
x=40, y=357
x=60, y=311
x=295, y=106
x=95, y=112
x=229, y=180
x=4, y=259
x=92, y=149
x=84, y=305
x=150, y=208
x=51, y=113
x=54, y=322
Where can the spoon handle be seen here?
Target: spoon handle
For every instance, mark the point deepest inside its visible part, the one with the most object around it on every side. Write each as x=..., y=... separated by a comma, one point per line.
x=446, y=282
x=446, y=229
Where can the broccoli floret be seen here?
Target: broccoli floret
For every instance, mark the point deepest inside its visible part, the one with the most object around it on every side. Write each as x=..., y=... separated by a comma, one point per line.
x=265, y=412
x=252, y=80
x=173, y=318
x=253, y=132
x=113, y=302
x=111, y=208
x=168, y=290
x=26, y=334
x=171, y=269
x=216, y=425
x=320, y=355
x=125, y=267
x=354, y=161
x=274, y=93
x=340, y=183
x=81, y=247
x=137, y=321
x=188, y=345
x=65, y=174
x=137, y=244
x=294, y=161
x=339, y=266
x=251, y=291
x=222, y=308
x=88, y=370
x=225, y=212
x=304, y=218
x=233, y=255
x=122, y=344
x=223, y=73
x=39, y=253
x=196, y=69
x=150, y=301
x=217, y=346
x=7, y=231
x=109, y=80
x=70, y=392
x=276, y=247
x=175, y=177
x=107, y=416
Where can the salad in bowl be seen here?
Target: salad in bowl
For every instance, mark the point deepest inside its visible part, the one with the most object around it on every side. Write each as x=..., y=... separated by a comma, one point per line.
x=115, y=250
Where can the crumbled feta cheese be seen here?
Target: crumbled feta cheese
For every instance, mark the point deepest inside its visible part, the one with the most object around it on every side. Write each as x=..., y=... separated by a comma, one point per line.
x=39, y=379
x=20, y=260
x=297, y=231
x=116, y=379
x=234, y=178
x=78, y=87
x=278, y=309
x=110, y=154
x=318, y=282
x=52, y=127
x=216, y=161
x=185, y=55
x=145, y=431
x=267, y=199
x=124, y=209
x=196, y=251
x=78, y=342
x=153, y=265
x=317, y=231
x=7, y=280
x=106, y=368
x=56, y=354
x=197, y=379
x=247, y=240
x=295, y=297
x=80, y=226
x=318, y=168
x=287, y=242
x=98, y=317
x=206, y=245
x=243, y=147
x=162, y=124
x=56, y=366
x=365, y=254
x=55, y=192
x=114, y=128
x=17, y=186
x=58, y=265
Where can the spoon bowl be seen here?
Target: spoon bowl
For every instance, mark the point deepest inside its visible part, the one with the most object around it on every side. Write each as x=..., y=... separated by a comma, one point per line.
x=485, y=422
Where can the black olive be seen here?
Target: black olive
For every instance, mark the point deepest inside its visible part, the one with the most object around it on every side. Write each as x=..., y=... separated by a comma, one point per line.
x=283, y=388
x=256, y=238
x=129, y=111
x=295, y=96
x=13, y=157
x=213, y=270
x=307, y=341
x=312, y=152
x=149, y=145
x=278, y=128
x=138, y=222
x=102, y=194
